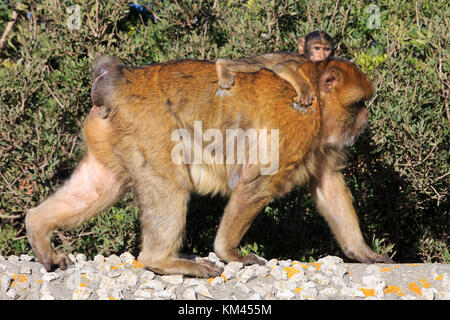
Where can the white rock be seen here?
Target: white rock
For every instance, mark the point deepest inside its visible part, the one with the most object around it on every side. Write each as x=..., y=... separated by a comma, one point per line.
x=352, y=292
x=213, y=257
x=332, y=266
x=308, y=284
x=261, y=271
x=278, y=273
x=338, y=281
x=173, y=279
x=429, y=293
x=272, y=263
x=329, y=292
x=263, y=289
x=127, y=258
x=167, y=294
x=446, y=282
x=296, y=273
x=81, y=293
x=25, y=270
x=127, y=279
x=144, y=293
x=72, y=258
x=284, y=291
x=49, y=276
x=374, y=281
x=242, y=287
x=107, y=283
x=99, y=259
x=113, y=260
x=255, y=296
x=321, y=279
x=373, y=269
x=189, y=294
x=26, y=257
x=330, y=260
x=233, y=267
x=245, y=275
x=285, y=263
x=147, y=275
x=80, y=257
x=110, y=294
x=408, y=297
x=156, y=285
x=285, y=294
x=201, y=289
x=444, y=295
x=189, y=282
x=12, y=294
x=90, y=274
x=5, y=281
x=13, y=258
x=73, y=280
x=44, y=292
x=308, y=294
x=115, y=271
x=340, y=271
x=217, y=281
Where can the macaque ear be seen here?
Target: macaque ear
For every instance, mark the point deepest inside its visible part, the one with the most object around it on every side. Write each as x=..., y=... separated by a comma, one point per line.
x=331, y=79
x=301, y=45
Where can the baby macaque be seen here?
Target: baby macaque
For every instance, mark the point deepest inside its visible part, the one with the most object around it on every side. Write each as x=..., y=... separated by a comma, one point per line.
x=316, y=46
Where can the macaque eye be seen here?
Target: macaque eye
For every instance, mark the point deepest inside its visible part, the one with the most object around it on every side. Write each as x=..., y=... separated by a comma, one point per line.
x=316, y=48
x=327, y=49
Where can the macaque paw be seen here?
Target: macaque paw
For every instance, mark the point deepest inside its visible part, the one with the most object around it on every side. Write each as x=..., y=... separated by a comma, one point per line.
x=207, y=269
x=57, y=259
x=252, y=259
x=226, y=83
x=305, y=99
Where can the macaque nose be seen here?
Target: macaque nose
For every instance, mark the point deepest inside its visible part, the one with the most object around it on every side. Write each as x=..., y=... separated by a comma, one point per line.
x=322, y=55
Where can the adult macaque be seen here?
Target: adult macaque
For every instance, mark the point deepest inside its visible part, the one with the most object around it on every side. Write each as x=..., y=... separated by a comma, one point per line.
x=316, y=47
x=135, y=147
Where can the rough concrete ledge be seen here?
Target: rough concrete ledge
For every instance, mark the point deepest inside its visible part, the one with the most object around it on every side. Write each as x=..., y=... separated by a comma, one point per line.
x=123, y=278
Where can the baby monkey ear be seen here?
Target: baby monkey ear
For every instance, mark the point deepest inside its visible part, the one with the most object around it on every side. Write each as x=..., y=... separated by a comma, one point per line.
x=301, y=45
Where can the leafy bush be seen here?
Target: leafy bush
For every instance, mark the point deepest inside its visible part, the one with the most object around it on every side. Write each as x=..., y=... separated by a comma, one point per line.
x=398, y=170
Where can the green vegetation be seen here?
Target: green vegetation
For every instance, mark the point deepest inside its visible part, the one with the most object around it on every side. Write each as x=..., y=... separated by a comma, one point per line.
x=398, y=171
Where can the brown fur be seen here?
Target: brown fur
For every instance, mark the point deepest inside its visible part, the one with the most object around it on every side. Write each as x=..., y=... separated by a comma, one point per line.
x=284, y=64
x=132, y=148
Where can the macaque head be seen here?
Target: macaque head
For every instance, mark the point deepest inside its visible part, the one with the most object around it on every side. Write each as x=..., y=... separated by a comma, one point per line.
x=316, y=46
x=343, y=91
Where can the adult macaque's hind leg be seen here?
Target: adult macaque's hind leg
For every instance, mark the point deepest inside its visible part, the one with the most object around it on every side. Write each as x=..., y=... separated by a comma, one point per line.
x=240, y=212
x=163, y=205
x=90, y=189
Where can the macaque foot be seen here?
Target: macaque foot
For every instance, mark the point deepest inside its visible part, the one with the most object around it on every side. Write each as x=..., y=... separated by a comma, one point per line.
x=369, y=257
x=56, y=259
x=61, y=259
x=225, y=83
x=207, y=269
x=226, y=79
x=172, y=265
x=249, y=259
x=305, y=99
x=252, y=259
